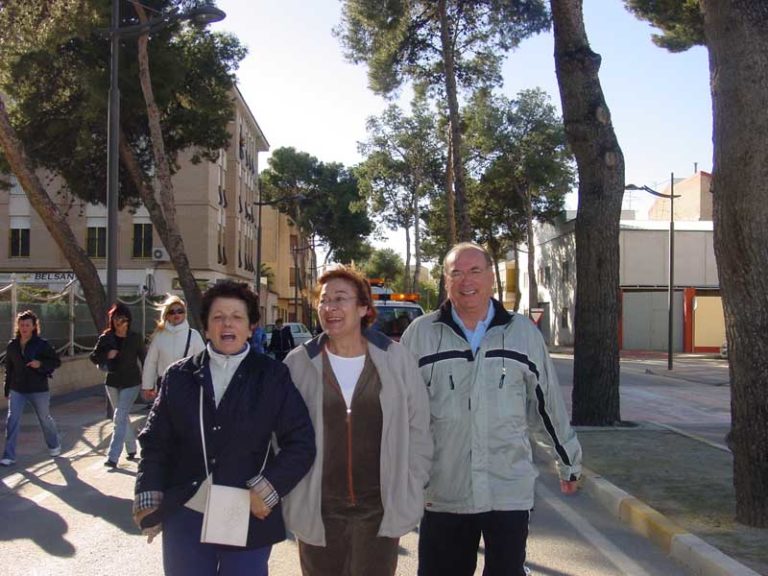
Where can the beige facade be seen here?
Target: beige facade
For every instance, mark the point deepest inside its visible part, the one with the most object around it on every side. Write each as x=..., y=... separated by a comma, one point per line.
x=694, y=202
x=217, y=205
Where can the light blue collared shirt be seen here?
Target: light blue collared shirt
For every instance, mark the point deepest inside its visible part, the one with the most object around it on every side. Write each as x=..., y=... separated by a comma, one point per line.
x=475, y=337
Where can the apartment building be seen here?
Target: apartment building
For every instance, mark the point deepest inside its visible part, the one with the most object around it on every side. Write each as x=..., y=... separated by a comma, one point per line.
x=217, y=207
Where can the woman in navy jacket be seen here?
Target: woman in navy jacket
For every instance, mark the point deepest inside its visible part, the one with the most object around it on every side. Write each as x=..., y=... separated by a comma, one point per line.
x=247, y=398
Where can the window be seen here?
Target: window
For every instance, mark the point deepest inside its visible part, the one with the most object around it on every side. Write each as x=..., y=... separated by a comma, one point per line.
x=19, y=243
x=96, y=242
x=142, y=240
x=566, y=272
x=547, y=276
x=292, y=277
x=564, y=318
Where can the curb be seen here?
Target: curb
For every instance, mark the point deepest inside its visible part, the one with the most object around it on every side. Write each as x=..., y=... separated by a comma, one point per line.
x=700, y=558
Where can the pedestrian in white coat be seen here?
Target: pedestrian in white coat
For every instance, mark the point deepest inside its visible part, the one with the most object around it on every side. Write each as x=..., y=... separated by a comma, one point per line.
x=172, y=340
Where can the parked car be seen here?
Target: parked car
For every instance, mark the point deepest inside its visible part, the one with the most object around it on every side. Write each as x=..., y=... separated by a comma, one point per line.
x=393, y=317
x=299, y=331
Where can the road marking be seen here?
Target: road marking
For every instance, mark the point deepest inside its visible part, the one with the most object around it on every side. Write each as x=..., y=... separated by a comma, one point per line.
x=624, y=563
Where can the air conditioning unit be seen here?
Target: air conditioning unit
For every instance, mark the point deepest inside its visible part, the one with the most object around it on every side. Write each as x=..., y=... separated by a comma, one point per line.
x=160, y=255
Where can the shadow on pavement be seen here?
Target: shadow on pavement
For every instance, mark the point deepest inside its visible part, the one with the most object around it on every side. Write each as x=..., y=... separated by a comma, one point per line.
x=27, y=518
x=86, y=499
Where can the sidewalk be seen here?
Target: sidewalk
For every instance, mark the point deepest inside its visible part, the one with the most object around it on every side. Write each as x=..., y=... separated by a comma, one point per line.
x=675, y=484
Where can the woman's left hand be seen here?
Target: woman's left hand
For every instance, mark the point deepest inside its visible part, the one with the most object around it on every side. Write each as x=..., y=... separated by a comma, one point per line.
x=258, y=507
x=34, y=364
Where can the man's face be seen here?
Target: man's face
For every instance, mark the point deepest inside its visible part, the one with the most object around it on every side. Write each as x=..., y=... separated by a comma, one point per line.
x=469, y=283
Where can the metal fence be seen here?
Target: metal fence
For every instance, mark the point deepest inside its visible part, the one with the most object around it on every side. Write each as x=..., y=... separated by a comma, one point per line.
x=65, y=320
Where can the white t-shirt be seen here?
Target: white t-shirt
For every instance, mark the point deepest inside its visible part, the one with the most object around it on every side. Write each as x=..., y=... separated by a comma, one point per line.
x=347, y=372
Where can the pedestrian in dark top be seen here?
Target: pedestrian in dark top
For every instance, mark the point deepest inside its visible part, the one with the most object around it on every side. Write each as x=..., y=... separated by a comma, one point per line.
x=282, y=340
x=29, y=362
x=119, y=352
x=245, y=401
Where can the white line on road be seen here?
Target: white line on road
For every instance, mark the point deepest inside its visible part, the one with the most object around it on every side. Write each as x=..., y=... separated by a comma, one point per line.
x=623, y=562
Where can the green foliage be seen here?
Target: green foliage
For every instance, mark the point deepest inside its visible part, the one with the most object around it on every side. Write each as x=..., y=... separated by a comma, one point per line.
x=520, y=159
x=331, y=207
x=404, y=160
x=399, y=40
x=681, y=22
x=386, y=264
x=63, y=120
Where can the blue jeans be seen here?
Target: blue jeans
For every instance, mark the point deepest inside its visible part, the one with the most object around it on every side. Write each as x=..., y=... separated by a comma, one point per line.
x=185, y=555
x=41, y=403
x=121, y=400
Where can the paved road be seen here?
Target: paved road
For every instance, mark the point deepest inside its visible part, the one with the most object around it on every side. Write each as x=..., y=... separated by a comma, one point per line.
x=70, y=515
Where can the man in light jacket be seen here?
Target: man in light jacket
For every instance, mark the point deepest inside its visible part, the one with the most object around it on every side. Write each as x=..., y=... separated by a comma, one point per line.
x=490, y=382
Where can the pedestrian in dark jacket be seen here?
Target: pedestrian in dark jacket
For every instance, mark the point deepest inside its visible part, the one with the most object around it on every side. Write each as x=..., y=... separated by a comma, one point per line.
x=29, y=362
x=282, y=340
x=248, y=398
x=120, y=352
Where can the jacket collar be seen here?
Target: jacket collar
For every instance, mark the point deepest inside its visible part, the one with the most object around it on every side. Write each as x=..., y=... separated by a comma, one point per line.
x=378, y=339
x=500, y=316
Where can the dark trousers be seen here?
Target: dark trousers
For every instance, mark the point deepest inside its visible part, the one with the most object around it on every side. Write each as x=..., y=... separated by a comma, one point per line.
x=185, y=555
x=448, y=543
x=352, y=546
x=280, y=355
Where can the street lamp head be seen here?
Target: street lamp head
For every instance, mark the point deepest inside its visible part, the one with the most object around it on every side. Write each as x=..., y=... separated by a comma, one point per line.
x=204, y=15
x=649, y=190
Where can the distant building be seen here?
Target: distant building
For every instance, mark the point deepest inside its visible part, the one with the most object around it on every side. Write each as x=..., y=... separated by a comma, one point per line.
x=217, y=205
x=698, y=323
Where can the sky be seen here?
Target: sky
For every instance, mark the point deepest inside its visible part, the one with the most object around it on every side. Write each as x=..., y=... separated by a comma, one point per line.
x=304, y=94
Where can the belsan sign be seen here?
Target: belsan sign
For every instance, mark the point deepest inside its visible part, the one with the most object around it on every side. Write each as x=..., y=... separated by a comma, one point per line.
x=52, y=276
x=38, y=277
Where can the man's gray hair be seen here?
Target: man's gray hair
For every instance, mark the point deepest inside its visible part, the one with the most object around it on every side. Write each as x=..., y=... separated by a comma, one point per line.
x=461, y=247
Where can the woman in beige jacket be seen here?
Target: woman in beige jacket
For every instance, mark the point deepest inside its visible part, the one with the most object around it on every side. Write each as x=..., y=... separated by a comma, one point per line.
x=370, y=412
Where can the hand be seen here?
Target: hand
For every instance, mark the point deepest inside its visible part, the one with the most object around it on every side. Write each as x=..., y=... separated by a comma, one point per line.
x=148, y=395
x=112, y=354
x=141, y=514
x=34, y=364
x=569, y=486
x=151, y=531
x=258, y=507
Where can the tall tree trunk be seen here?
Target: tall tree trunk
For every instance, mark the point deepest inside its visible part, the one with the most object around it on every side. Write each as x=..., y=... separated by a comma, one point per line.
x=533, y=285
x=601, y=187
x=416, y=243
x=55, y=222
x=495, y=251
x=464, y=231
x=518, y=294
x=738, y=60
x=172, y=239
x=450, y=198
x=407, y=275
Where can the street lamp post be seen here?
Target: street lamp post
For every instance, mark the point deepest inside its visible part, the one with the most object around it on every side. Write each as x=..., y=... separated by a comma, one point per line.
x=202, y=15
x=671, y=258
